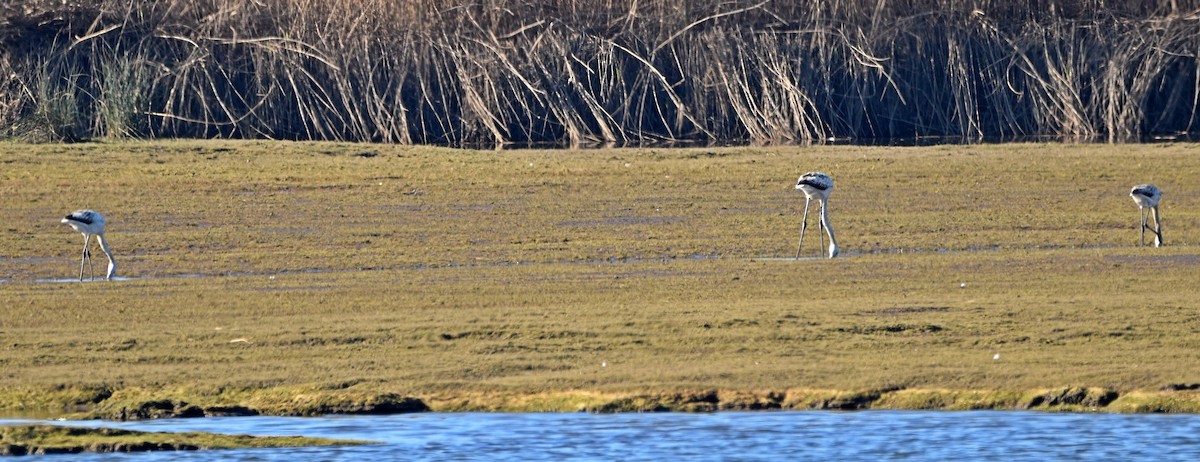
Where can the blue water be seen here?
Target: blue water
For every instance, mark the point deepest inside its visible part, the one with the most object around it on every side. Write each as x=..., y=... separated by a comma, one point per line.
x=725, y=436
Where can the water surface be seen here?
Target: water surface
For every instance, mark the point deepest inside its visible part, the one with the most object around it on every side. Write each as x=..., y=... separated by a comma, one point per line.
x=725, y=436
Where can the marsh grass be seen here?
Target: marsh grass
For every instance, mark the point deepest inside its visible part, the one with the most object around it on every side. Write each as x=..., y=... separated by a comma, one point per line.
x=296, y=278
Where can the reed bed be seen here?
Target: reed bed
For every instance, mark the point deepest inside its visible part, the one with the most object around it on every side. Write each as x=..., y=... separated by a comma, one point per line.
x=572, y=72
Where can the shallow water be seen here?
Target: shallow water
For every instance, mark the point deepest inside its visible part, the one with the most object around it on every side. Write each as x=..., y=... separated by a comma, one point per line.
x=809, y=256
x=76, y=280
x=738, y=436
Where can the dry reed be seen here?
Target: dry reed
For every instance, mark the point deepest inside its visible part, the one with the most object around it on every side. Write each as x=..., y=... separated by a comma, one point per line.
x=571, y=72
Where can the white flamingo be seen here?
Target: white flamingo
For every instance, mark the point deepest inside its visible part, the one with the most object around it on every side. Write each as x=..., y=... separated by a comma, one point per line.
x=90, y=223
x=817, y=185
x=1147, y=196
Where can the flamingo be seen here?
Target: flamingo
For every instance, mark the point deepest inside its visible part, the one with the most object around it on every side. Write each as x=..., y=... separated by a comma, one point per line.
x=91, y=223
x=817, y=185
x=1147, y=196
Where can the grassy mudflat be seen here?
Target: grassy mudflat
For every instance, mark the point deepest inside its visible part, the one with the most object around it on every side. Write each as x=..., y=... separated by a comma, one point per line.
x=53, y=439
x=304, y=278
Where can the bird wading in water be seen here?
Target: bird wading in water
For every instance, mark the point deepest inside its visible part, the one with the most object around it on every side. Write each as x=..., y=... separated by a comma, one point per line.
x=1147, y=196
x=91, y=223
x=817, y=185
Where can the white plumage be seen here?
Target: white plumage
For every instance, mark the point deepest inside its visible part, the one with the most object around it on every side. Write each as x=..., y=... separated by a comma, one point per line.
x=91, y=223
x=1147, y=196
x=817, y=185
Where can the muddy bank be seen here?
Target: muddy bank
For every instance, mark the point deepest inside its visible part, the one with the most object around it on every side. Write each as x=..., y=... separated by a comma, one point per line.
x=1068, y=399
x=23, y=440
x=138, y=404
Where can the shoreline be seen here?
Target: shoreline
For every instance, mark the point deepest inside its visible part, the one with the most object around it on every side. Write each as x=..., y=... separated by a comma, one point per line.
x=45, y=439
x=134, y=405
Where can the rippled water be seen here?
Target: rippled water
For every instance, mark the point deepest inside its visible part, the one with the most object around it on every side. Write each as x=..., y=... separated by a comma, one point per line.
x=725, y=436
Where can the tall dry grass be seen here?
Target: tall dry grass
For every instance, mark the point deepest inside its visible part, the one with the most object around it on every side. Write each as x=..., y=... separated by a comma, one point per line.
x=570, y=71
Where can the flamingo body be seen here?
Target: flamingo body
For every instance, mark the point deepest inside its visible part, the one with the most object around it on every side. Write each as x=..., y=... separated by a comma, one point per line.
x=1146, y=195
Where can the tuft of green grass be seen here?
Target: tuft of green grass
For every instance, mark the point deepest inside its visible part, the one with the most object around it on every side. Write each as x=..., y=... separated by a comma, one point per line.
x=1157, y=402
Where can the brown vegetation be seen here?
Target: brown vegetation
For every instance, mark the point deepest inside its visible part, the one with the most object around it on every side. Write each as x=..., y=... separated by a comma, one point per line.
x=306, y=278
x=570, y=71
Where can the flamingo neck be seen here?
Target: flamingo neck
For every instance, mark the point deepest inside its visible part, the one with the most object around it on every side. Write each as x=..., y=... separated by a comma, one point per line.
x=1157, y=227
x=833, y=247
x=112, y=262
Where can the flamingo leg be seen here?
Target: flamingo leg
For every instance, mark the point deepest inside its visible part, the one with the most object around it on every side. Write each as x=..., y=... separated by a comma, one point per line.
x=1142, y=214
x=803, y=226
x=83, y=258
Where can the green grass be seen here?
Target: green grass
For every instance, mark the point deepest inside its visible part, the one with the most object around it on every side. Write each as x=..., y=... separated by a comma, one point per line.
x=348, y=278
x=54, y=439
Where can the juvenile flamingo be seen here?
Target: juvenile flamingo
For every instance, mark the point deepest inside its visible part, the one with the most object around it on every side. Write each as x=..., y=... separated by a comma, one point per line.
x=91, y=223
x=817, y=185
x=1147, y=196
